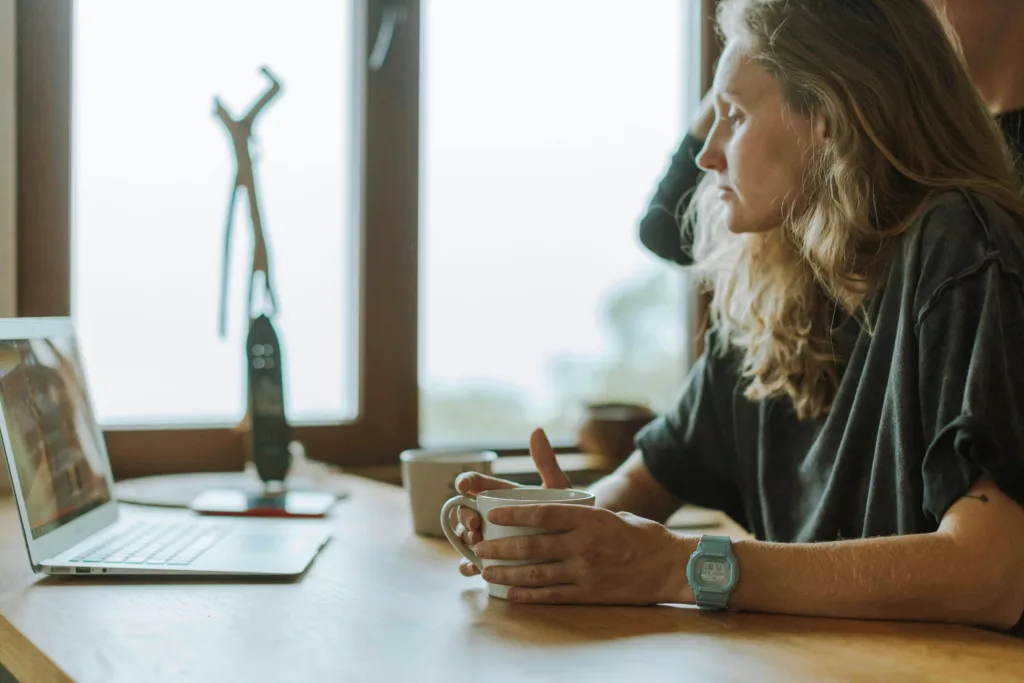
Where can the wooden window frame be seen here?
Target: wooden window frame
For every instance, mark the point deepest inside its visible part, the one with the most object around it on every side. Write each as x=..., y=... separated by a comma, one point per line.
x=387, y=122
x=711, y=50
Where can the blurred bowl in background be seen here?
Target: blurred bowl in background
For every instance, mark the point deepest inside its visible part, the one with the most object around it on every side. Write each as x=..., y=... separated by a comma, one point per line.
x=608, y=429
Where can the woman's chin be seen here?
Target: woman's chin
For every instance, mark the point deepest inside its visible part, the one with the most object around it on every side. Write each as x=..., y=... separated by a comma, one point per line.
x=736, y=225
x=733, y=219
x=740, y=222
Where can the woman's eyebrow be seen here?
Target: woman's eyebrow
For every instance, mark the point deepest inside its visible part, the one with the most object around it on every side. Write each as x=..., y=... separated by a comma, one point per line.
x=747, y=94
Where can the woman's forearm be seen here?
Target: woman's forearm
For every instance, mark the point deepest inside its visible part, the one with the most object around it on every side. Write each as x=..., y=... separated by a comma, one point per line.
x=923, y=577
x=632, y=488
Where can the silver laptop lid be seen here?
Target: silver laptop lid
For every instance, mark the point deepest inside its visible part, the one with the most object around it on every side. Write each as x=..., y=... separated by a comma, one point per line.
x=53, y=446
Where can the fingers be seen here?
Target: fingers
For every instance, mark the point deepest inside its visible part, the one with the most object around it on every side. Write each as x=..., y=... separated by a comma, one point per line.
x=551, y=595
x=469, y=518
x=467, y=568
x=548, y=516
x=469, y=526
x=472, y=483
x=537, y=548
x=552, y=476
x=546, y=462
x=530, y=575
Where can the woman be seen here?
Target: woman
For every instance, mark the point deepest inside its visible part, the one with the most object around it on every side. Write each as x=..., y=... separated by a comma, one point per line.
x=862, y=408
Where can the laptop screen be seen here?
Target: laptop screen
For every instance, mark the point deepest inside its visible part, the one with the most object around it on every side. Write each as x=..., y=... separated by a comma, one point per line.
x=53, y=435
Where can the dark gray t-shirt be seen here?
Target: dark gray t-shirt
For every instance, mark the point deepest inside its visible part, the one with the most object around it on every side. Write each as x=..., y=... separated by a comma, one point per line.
x=929, y=402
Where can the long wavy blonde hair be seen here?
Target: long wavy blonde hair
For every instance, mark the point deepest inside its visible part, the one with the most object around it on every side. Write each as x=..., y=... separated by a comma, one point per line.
x=904, y=123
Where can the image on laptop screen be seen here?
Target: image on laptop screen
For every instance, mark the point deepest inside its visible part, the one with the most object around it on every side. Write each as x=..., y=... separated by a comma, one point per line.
x=54, y=442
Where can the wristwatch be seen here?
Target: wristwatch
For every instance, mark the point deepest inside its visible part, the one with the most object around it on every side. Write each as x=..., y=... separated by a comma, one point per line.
x=713, y=572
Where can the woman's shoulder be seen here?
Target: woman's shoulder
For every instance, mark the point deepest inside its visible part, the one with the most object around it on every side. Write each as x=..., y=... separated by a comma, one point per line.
x=965, y=225
x=960, y=233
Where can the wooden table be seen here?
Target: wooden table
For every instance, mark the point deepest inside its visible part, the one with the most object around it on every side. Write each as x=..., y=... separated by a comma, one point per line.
x=381, y=604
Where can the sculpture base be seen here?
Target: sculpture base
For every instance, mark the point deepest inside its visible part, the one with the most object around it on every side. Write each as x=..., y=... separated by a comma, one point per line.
x=236, y=503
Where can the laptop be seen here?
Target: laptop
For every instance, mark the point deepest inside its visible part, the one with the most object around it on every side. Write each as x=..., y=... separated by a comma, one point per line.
x=64, y=490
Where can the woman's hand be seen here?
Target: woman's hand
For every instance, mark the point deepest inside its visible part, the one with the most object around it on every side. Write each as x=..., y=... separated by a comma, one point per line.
x=600, y=557
x=473, y=483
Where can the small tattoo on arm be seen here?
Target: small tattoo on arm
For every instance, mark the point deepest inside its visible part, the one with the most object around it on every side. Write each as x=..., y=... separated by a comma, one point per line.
x=983, y=498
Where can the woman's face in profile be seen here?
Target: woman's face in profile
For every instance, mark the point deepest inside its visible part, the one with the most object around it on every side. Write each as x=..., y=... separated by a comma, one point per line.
x=758, y=149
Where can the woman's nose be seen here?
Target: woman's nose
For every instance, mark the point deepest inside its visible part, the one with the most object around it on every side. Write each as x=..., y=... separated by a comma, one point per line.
x=711, y=157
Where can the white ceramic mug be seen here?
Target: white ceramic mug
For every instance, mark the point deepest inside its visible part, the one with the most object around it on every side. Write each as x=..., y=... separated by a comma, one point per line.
x=429, y=478
x=487, y=501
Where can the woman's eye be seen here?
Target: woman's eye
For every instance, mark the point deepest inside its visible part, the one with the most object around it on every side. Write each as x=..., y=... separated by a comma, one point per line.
x=733, y=116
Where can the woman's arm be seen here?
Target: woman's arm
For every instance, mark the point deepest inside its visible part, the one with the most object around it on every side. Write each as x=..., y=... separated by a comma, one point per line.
x=971, y=570
x=660, y=230
x=632, y=488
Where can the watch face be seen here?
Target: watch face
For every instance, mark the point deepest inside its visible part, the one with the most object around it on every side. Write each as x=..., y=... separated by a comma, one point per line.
x=714, y=573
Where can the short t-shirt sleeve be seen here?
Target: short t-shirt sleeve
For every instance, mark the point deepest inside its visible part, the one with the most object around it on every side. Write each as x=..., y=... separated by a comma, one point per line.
x=660, y=227
x=688, y=450
x=971, y=376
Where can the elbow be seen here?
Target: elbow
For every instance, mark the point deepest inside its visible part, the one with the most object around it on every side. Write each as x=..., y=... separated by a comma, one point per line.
x=1005, y=604
x=992, y=597
x=660, y=234
x=985, y=548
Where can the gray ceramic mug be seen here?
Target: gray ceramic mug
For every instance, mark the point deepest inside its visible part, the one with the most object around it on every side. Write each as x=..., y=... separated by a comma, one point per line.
x=429, y=479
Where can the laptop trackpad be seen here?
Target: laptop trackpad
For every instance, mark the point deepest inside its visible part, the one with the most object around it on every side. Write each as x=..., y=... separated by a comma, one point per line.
x=283, y=550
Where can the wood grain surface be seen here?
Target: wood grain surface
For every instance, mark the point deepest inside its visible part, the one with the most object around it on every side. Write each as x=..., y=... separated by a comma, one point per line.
x=381, y=604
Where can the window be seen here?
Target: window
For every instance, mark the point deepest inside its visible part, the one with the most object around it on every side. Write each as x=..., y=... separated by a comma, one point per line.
x=8, y=213
x=153, y=172
x=123, y=206
x=546, y=125
x=8, y=180
x=352, y=368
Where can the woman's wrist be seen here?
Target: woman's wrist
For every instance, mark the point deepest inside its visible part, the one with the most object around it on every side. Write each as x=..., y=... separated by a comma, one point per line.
x=678, y=589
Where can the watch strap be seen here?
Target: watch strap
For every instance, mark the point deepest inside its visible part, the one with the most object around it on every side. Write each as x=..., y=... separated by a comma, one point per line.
x=711, y=600
x=715, y=545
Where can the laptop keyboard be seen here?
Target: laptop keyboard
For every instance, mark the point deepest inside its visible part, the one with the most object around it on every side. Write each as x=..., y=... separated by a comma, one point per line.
x=156, y=544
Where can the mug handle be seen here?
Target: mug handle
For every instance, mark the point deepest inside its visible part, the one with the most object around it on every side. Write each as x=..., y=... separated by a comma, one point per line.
x=453, y=538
